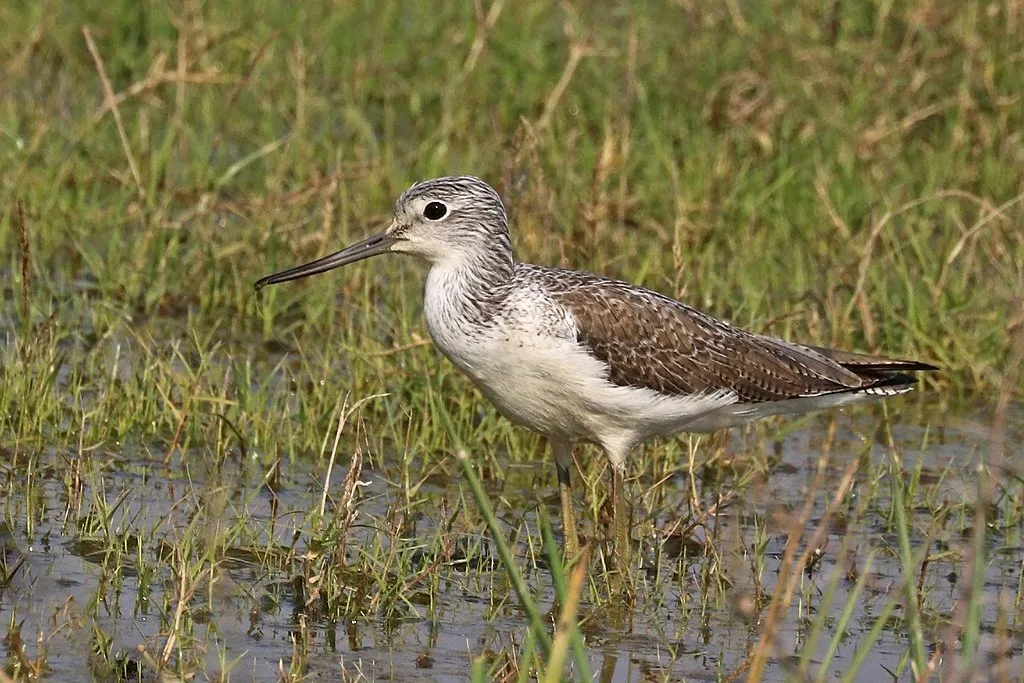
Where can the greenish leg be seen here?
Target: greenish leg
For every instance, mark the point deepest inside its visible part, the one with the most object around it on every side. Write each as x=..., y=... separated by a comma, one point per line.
x=620, y=522
x=562, y=451
x=572, y=543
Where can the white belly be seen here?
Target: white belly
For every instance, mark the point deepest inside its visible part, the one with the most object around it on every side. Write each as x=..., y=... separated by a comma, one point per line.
x=556, y=388
x=528, y=385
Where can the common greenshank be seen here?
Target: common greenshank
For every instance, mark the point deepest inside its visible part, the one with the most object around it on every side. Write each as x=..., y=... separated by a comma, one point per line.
x=580, y=357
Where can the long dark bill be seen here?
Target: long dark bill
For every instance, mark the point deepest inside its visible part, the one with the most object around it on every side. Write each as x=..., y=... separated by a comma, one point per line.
x=371, y=246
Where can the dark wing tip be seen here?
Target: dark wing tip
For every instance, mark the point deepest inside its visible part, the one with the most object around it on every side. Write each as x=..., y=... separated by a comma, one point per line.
x=882, y=376
x=918, y=366
x=896, y=379
x=893, y=378
x=891, y=366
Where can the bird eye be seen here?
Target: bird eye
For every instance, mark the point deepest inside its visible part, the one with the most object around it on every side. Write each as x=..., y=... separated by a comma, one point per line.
x=435, y=211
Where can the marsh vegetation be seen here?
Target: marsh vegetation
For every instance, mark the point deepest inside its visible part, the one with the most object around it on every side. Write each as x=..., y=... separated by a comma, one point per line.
x=201, y=483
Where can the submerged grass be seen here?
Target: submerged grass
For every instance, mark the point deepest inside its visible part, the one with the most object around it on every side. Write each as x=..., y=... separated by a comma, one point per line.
x=200, y=481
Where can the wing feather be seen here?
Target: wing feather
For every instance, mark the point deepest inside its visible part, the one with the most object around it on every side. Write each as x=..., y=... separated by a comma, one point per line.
x=649, y=340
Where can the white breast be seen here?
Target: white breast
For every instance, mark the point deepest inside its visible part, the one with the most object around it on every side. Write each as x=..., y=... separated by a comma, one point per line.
x=518, y=361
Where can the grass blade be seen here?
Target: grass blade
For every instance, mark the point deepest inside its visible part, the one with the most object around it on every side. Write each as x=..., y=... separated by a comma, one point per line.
x=918, y=655
x=504, y=552
x=568, y=632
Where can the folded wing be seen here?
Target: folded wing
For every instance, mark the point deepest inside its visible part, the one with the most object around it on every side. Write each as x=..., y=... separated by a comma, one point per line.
x=649, y=340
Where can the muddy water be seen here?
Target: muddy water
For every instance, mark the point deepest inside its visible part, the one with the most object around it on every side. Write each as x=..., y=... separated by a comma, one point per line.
x=63, y=591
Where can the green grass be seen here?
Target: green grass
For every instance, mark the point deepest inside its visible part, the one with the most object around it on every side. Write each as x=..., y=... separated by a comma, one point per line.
x=839, y=173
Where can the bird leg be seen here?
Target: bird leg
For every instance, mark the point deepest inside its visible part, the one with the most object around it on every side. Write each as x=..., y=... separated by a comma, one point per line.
x=620, y=523
x=563, y=462
x=572, y=543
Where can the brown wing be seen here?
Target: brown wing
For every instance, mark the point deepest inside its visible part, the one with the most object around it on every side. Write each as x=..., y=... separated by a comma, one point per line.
x=649, y=340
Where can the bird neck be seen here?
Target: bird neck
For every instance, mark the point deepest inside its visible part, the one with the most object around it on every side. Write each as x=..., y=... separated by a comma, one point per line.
x=468, y=287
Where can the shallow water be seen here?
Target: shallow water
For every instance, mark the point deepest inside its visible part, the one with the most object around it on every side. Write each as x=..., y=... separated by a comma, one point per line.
x=63, y=591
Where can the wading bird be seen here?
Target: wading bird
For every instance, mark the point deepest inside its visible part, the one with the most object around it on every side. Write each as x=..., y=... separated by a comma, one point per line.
x=576, y=356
